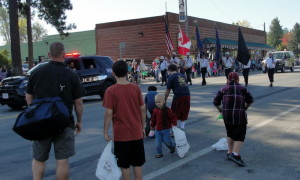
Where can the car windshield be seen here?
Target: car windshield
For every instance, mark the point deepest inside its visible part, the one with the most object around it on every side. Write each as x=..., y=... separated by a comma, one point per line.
x=278, y=55
x=32, y=69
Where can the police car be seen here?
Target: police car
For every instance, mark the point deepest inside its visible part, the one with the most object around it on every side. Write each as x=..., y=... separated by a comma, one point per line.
x=94, y=72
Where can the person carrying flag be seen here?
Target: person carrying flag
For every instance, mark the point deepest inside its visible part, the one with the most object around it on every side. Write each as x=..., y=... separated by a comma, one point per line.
x=188, y=64
x=228, y=63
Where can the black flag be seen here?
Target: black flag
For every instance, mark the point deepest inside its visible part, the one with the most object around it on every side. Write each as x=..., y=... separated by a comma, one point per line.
x=243, y=55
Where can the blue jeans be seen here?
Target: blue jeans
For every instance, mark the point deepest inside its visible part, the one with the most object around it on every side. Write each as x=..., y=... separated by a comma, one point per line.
x=163, y=136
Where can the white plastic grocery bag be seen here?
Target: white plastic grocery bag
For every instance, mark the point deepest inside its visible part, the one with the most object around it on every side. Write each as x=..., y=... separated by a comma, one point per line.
x=182, y=145
x=221, y=145
x=107, y=168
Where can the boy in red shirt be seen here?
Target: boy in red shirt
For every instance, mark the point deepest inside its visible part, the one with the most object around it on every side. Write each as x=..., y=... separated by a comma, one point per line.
x=163, y=119
x=125, y=107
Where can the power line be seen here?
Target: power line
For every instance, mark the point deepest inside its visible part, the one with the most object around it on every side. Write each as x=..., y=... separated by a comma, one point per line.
x=220, y=10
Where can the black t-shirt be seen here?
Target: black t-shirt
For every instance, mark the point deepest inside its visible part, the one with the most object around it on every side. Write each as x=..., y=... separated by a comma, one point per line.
x=50, y=78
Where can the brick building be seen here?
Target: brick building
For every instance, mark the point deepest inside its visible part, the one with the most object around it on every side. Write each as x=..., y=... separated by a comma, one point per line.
x=145, y=38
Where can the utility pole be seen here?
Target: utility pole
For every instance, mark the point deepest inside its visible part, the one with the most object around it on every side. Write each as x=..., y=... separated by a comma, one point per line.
x=186, y=20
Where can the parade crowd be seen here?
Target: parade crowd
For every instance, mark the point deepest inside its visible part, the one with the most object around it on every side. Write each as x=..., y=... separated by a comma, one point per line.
x=200, y=66
x=126, y=109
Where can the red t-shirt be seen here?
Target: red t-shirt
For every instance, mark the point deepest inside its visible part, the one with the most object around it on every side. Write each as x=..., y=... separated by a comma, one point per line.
x=125, y=100
x=157, y=119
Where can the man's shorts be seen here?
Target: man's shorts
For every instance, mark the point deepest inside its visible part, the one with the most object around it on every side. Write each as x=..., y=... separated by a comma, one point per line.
x=129, y=153
x=236, y=132
x=64, y=146
x=181, y=107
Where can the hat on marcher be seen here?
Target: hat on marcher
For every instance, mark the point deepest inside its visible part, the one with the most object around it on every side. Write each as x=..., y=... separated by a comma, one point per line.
x=188, y=53
x=174, y=53
x=161, y=57
x=227, y=53
x=233, y=76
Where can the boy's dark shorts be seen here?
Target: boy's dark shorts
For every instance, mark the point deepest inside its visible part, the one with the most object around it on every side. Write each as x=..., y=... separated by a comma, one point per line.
x=64, y=146
x=129, y=153
x=236, y=132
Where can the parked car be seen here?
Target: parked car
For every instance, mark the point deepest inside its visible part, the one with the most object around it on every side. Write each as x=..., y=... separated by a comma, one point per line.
x=94, y=72
x=25, y=67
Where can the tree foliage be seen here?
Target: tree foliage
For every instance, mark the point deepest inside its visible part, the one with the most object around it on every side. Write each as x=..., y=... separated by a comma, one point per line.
x=285, y=40
x=243, y=23
x=294, y=40
x=38, y=31
x=53, y=12
x=275, y=34
x=4, y=24
x=4, y=60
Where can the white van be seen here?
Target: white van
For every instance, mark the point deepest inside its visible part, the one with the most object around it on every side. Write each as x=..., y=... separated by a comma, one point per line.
x=285, y=60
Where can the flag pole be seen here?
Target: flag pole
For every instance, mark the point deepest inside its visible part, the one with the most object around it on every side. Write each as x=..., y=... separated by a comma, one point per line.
x=186, y=21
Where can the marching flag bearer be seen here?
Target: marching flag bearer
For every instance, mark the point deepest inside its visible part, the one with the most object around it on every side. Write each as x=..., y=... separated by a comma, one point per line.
x=203, y=65
x=246, y=69
x=163, y=66
x=188, y=64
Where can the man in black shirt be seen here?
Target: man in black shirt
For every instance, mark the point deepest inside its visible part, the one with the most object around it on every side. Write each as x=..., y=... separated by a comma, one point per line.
x=49, y=80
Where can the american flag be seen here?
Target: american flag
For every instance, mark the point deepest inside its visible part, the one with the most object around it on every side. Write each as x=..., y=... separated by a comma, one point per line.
x=170, y=45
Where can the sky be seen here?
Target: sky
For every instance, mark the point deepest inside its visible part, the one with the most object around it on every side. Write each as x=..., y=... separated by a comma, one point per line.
x=87, y=13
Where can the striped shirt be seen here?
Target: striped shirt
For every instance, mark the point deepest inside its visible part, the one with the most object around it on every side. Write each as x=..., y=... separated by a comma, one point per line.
x=234, y=98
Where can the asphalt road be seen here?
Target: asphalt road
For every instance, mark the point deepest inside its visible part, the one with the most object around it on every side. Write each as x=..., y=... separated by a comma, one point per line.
x=271, y=149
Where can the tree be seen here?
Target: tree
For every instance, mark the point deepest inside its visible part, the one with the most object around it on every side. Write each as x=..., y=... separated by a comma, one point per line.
x=15, y=37
x=294, y=40
x=285, y=40
x=4, y=24
x=243, y=23
x=285, y=30
x=275, y=34
x=38, y=31
x=53, y=12
x=4, y=59
x=22, y=30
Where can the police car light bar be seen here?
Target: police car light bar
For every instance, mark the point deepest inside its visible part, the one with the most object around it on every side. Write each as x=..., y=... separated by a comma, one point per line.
x=75, y=54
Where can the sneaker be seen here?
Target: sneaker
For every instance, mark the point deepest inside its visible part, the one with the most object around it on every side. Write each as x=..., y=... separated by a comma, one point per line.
x=151, y=134
x=227, y=156
x=158, y=155
x=237, y=159
x=172, y=149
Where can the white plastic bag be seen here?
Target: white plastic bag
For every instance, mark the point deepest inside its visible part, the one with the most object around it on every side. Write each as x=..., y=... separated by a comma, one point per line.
x=182, y=145
x=221, y=145
x=107, y=168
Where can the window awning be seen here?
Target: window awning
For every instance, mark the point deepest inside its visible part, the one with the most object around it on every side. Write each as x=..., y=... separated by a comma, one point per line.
x=211, y=42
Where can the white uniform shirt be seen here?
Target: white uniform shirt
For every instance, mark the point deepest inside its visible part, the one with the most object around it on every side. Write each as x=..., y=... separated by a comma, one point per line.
x=188, y=62
x=174, y=60
x=228, y=62
x=163, y=65
x=203, y=63
x=270, y=62
x=248, y=65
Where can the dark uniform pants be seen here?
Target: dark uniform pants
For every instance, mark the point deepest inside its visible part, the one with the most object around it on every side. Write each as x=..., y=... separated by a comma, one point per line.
x=203, y=73
x=227, y=71
x=246, y=74
x=271, y=72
